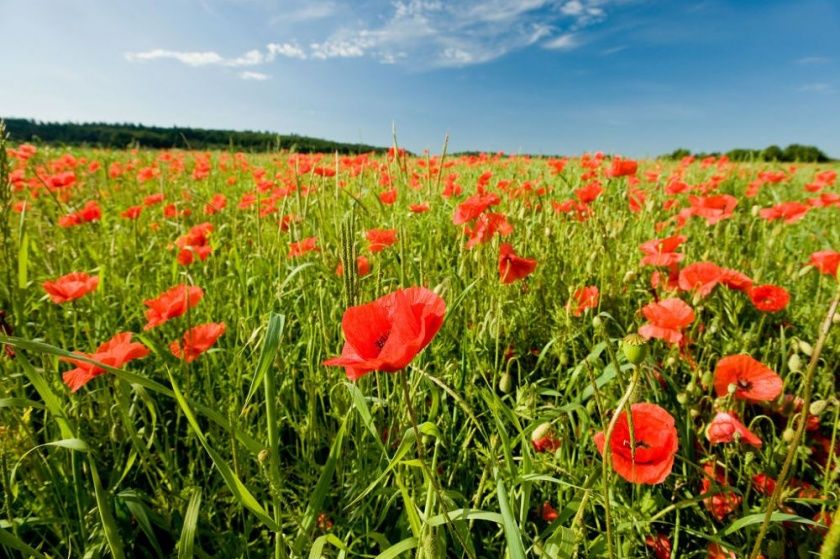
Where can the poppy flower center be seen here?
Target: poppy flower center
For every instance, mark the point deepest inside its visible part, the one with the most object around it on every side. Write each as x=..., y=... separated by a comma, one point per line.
x=744, y=384
x=380, y=341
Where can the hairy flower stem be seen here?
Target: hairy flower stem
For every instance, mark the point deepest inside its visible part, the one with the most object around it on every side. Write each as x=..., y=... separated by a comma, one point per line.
x=605, y=464
x=800, y=428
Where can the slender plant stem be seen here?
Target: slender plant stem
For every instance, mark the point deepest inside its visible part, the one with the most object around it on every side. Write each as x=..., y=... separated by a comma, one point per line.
x=800, y=428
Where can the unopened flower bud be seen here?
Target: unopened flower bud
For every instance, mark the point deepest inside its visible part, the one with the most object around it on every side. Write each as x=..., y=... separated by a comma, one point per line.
x=597, y=322
x=795, y=363
x=630, y=276
x=817, y=407
x=806, y=348
x=263, y=456
x=541, y=431
x=682, y=398
x=506, y=383
x=788, y=435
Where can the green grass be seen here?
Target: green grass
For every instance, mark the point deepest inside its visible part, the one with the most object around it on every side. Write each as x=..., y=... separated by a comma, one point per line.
x=255, y=449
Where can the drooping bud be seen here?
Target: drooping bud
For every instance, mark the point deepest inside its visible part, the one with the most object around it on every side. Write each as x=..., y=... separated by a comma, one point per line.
x=795, y=363
x=817, y=407
x=506, y=383
x=635, y=348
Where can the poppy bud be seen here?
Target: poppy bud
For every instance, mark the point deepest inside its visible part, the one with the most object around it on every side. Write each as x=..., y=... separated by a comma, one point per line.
x=707, y=378
x=506, y=383
x=817, y=407
x=694, y=413
x=682, y=398
x=263, y=456
x=788, y=435
x=671, y=361
x=541, y=431
x=795, y=363
x=597, y=322
x=806, y=348
x=634, y=348
x=630, y=276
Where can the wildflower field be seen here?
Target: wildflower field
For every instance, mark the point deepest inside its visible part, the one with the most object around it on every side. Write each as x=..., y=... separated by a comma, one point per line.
x=314, y=355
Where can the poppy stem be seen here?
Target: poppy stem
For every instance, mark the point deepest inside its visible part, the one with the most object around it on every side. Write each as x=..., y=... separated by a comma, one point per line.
x=605, y=465
x=800, y=428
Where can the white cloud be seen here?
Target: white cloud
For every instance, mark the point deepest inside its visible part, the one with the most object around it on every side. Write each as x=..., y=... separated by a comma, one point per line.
x=422, y=33
x=288, y=50
x=257, y=76
x=205, y=58
x=567, y=41
x=817, y=87
x=811, y=60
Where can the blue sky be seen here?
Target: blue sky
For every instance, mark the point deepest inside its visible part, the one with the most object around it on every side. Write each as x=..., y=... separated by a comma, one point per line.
x=637, y=77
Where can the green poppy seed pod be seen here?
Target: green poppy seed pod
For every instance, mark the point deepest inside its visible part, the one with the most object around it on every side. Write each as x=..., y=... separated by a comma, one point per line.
x=682, y=398
x=263, y=456
x=506, y=383
x=597, y=322
x=788, y=435
x=817, y=407
x=694, y=413
x=806, y=348
x=707, y=378
x=795, y=363
x=634, y=348
x=541, y=431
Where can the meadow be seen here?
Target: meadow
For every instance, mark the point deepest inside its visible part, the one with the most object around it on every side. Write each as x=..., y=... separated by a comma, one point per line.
x=218, y=354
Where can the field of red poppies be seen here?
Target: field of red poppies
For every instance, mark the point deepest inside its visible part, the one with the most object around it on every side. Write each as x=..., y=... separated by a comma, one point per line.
x=295, y=355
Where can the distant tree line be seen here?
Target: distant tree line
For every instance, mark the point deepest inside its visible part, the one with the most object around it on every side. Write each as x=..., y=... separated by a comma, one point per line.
x=97, y=134
x=792, y=153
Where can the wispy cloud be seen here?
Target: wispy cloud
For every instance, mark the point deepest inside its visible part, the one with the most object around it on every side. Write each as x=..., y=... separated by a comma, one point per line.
x=255, y=76
x=816, y=87
x=812, y=60
x=567, y=41
x=423, y=33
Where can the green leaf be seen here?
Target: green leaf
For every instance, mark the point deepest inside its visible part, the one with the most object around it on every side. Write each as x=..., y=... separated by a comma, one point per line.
x=103, y=504
x=318, y=545
x=10, y=540
x=398, y=549
x=185, y=544
x=758, y=518
x=514, y=539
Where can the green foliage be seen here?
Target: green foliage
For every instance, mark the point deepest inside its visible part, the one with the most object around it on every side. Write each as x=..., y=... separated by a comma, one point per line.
x=139, y=135
x=794, y=153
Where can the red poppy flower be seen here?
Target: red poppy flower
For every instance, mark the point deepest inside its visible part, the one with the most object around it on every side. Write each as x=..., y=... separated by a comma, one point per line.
x=720, y=505
x=153, y=199
x=485, y=226
x=713, y=208
x=764, y=484
x=584, y=298
x=543, y=438
x=132, y=212
x=769, y=298
x=473, y=206
x=724, y=427
x=622, y=168
x=513, y=267
x=589, y=193
x=197, y=340
x=753, y=380
x=380, y=239
x=216, y=204
x=790, y=212
x=548, y=512
x=826, y=261
x=171, y=304
x=660, y=252
x=733, y=279
x=386, y=334
x=90, y=212
x=700, y=277
x=419, y=208
x=70, y=287
x=388, y=197
x=656, y=443
x=310, y=244
x=362, y=267
x=666, y=319
x=660, y=545
x=116, y=352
